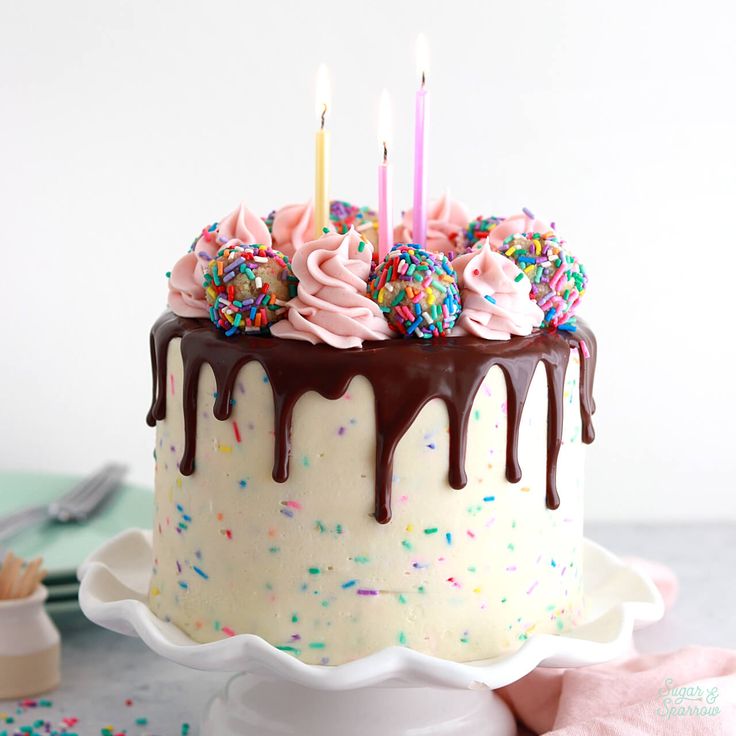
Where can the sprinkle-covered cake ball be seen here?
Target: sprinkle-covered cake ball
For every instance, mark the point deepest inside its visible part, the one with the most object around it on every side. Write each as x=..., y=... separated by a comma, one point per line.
x=558, y=278
x=344, y=215
x=479, y=229
x=247, y=287
x=416, y=291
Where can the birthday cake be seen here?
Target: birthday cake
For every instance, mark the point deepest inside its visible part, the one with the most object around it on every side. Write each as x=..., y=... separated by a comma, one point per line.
x=356, y=452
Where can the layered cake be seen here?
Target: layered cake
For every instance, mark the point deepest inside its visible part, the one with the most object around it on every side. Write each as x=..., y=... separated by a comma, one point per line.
x=354, y=454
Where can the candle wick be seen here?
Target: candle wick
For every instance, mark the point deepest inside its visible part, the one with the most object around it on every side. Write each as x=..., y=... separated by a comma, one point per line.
x=424, y=78
x=385, y=152
x=322, y=117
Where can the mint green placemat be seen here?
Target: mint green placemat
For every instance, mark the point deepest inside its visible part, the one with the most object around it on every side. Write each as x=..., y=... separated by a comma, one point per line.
x=65, y=546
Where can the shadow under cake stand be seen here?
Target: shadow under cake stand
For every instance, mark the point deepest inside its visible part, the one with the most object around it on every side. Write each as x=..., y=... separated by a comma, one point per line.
x=394, y=692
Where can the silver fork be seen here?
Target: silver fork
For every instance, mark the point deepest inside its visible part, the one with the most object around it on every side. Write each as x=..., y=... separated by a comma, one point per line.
x=75, y=505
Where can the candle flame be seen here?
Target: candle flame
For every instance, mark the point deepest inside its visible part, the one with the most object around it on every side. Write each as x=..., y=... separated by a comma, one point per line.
x=422, y=53
x=384, y=122
x=322, y=96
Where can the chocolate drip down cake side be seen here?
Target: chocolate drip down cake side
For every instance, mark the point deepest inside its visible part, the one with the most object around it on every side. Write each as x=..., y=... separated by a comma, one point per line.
x=355, y=452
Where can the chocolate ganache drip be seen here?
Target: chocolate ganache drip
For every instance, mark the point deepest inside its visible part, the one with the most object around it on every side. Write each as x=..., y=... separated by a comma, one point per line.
x=404, y=374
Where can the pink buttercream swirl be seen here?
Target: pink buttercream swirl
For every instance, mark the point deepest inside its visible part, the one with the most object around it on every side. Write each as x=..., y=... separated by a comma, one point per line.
x=331, y=304
x=446, y=221
x=186, y=293
x=293, y=226
x=524, y=222
x=496, y=301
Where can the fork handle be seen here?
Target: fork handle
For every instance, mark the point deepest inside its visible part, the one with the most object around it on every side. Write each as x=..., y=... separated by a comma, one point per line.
x=12, y=518
x=21, y=520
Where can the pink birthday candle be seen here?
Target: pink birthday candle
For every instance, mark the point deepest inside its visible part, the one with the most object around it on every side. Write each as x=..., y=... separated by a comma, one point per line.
x=419, y=223
x=385, y=181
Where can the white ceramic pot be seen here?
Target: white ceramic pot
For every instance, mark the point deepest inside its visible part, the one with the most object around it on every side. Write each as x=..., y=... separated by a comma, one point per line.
x=30, y=650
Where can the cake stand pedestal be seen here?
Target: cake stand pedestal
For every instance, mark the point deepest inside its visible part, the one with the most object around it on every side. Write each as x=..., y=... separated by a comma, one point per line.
x=254, y=705
x=394, y=692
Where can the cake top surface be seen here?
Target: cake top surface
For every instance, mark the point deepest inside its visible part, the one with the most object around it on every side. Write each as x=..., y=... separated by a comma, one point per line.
x=490, y=277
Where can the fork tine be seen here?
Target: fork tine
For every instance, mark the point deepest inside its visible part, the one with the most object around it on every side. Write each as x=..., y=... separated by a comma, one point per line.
x=86, y=485
x=65, y=506
x=113, y=477
x=79, y=503
x=85, y=505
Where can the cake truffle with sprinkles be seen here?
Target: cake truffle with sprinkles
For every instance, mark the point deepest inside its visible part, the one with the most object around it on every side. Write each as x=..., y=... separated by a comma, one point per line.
x=417, y=292
x=247, y=287
x=558, y=278
x=344, y=215
x=479, y=229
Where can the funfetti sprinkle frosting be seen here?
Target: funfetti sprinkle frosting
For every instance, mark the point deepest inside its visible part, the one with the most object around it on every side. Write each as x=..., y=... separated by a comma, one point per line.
x=247, y=287
x=558, y=278
x=417, y=292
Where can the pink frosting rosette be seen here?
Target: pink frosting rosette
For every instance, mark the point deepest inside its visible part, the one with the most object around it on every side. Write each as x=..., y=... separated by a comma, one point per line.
x=331, y=304
x=186, y=293
x=524, y=222
x=446, y=221
x=293, y=225
x=495, y=296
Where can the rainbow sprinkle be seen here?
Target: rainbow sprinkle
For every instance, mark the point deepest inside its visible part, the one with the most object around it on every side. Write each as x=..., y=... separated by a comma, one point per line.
x=417, y=292
x=44, y=718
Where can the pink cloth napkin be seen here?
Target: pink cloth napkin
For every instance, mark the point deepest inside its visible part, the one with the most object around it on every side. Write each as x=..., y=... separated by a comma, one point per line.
x=690, y=691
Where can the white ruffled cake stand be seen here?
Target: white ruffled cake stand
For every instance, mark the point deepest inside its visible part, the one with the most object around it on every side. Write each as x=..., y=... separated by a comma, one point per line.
x=395, y=692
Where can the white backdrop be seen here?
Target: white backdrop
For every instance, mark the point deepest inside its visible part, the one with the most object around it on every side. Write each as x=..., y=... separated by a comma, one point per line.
x=127, y=126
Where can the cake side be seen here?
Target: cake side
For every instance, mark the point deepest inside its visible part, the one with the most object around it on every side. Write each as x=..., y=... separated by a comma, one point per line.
x=462, y=573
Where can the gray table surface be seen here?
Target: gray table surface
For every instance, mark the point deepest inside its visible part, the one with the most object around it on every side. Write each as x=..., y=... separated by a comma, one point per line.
x=102, y=670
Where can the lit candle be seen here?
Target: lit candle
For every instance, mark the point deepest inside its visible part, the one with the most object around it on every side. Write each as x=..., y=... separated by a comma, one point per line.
x=322, y=148
x=419, y=223
x=385, y=181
